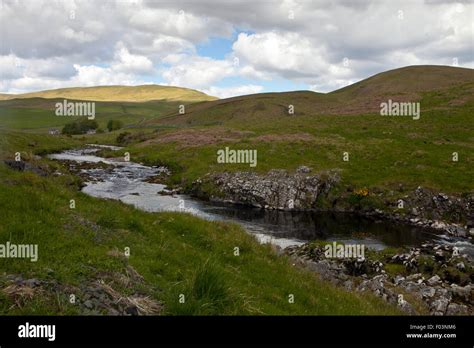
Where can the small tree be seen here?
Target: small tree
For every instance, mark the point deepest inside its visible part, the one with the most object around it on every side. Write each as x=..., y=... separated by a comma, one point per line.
x=114, y=125
x=79, y=127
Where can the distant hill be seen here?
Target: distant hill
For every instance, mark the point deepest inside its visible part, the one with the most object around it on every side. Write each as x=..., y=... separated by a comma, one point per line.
x=440, y=86
x=118, y=93
x=410, y=79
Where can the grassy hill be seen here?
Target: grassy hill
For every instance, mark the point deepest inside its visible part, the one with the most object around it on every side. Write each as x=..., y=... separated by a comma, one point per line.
x=38, y=114
x=410, y=79
x=385, y=151
x=430, y=85
x=130, y=104
x=118, y=93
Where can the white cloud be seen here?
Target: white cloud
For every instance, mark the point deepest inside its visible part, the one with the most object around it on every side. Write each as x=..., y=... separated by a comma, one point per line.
x=130, y=63
x=76, y=36
x=179, y=23
x=227, y=92
x=27, y=84
x=285, y=53
x=23, y=75
x=57, y=43
x=97, y=76
x=290, y=56
x=198, y=72
x=11, y=67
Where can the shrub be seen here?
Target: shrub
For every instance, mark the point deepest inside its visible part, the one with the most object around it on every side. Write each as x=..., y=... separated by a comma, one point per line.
x=354, y=200
x=79, y=127
x=123, y=138
x=127, y=137
x=427, y=264
x=114, y=125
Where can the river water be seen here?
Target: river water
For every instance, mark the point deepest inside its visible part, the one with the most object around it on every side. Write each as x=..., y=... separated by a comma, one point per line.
x=124, y=181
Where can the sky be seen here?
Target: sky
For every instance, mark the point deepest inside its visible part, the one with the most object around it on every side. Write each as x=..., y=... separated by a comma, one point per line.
x=228, y=47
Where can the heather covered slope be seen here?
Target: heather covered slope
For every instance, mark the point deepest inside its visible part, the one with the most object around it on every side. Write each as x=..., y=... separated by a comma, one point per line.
x=432, y=86
x=410, y=79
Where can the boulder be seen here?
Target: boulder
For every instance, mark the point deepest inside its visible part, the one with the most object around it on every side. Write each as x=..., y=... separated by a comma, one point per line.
x=439, y=306
x=434, y=280
x=457, y=309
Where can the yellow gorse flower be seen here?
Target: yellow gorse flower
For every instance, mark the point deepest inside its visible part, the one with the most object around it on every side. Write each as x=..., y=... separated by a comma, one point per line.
x=362, y=192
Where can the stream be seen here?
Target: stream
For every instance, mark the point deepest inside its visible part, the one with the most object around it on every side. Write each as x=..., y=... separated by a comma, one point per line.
x=125, y=181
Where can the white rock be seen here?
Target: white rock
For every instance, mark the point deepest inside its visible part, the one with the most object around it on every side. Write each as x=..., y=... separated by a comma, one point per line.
x=434, y=280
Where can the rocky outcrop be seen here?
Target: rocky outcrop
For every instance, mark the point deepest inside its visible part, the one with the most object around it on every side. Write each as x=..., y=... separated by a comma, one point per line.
x=427, y=207
x=277, y=189
x=433, y=280
x=23, y=166
x=428, y=204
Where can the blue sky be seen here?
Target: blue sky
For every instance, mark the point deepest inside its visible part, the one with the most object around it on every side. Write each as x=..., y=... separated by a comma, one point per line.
x=216, y=47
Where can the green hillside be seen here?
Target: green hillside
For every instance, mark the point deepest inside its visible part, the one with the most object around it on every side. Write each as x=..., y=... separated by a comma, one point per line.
x=38, y=114
x=118, y=93
x=385, y=151
x=430, y=85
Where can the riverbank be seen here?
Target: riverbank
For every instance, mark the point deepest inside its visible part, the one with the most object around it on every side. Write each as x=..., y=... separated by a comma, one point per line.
x=97, y=296
x=141, y=186
x=432, y=279
x=301, y=191
x=83, y=252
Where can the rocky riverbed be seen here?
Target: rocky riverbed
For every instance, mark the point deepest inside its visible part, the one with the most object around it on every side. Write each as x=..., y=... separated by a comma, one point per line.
x=432, y=279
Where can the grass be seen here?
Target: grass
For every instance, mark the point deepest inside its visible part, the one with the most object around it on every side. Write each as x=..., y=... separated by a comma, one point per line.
x=38, y=114
x=119, y=93
x=382, y=151
x=175, y=253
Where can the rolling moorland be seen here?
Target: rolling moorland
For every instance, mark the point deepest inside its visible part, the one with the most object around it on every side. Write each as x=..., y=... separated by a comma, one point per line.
x=176, y=253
